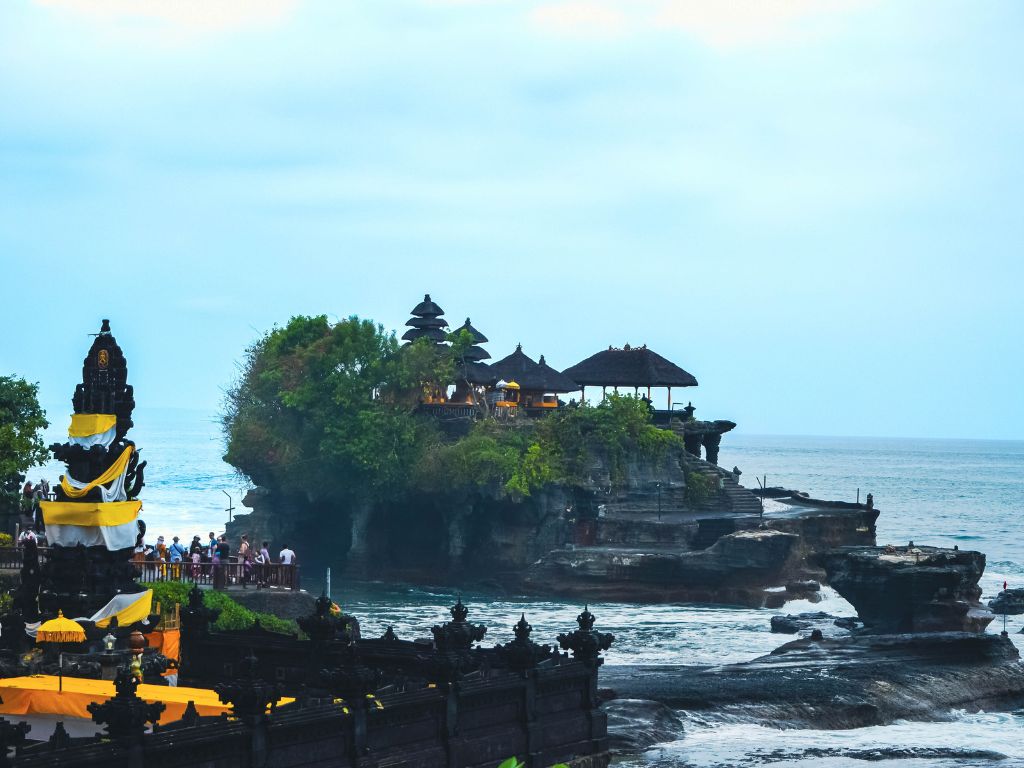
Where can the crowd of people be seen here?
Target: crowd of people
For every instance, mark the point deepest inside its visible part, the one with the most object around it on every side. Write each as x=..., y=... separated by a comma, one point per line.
x=203, y=558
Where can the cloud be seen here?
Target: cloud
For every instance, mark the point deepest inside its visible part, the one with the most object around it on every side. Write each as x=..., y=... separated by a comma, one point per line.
x=185, y=15
x=734, y=23
x=579, y=18
x=720, y=24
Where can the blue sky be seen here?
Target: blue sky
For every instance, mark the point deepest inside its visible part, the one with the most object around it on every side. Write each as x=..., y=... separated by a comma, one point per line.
x=813, y=206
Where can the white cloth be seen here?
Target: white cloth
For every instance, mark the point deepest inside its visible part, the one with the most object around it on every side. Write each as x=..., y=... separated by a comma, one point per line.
x=110, y=536
x=287, y=556
x=103, y=438
x=115, y=492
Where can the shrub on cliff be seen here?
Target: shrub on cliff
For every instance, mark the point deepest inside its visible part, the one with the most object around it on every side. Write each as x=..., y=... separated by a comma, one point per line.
x=232, y=614
x=332, y=402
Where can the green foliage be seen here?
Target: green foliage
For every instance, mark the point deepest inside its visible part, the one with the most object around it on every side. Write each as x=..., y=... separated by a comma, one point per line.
x=21, y=422
x=699, y=487
x=334, y=402
x=232, y=614
x=338, y=403
x=6, y=540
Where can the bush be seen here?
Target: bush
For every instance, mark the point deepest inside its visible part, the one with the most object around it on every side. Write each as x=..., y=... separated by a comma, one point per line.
x=699, y=487
x=233, y=615
x=6, y=540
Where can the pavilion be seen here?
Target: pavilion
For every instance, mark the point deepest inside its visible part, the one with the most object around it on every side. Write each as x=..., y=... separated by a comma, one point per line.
x=636, y=367
x=535, y=379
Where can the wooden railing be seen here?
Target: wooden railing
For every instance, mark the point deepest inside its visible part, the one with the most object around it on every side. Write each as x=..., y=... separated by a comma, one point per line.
x=231, y=575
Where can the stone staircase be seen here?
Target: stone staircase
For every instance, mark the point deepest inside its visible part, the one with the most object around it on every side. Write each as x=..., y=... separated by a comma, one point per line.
x=736, y=498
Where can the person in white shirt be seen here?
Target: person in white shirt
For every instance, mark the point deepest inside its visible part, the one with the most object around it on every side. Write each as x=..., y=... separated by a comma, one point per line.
x=287, y=556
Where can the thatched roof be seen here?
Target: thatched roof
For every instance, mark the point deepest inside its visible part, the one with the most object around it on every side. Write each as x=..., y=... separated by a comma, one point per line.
x=477, y=373
x=426, y=308
x=629, y=367
x=478, y=338
x=427, y=322
x=476, y=354
x=434, y=334
x=532, y=376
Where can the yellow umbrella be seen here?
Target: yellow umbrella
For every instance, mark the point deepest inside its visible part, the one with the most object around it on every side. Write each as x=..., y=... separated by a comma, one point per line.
x=60, y=630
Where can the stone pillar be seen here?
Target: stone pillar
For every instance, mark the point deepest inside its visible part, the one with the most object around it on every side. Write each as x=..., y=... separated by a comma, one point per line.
x=692, y=441
x=712, y=440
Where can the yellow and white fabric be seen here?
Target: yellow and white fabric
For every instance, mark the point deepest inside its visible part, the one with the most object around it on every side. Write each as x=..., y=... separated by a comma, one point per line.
x=91, y=523
x=113, y=477
x=89, y=429
x=127, y=608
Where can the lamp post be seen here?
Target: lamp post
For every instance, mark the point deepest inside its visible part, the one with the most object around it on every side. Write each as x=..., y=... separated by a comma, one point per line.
x=108, y=661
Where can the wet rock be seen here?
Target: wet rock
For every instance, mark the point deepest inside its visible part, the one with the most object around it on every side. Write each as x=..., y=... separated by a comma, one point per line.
x=792, y=624
x=803, y=587
x=845, y=682
x=1009, y=602
x=636, y=724
x=848, y=622
x=910, y=589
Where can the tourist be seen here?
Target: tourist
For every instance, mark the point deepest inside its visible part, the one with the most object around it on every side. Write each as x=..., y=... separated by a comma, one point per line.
x=161, y=549
x=27, y=490
x=177, y=553
x=245, y=558
x=195, y=554
x=262, y=565
x=221, y=553
x=45, y=485
x=212, y=547
x=26, y=536
x=287, y=556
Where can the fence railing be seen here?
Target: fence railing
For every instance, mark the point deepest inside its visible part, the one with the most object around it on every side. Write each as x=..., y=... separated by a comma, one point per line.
x=231, y=575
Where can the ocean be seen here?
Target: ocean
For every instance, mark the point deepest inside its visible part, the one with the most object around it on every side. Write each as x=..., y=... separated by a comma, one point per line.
x=939, y=492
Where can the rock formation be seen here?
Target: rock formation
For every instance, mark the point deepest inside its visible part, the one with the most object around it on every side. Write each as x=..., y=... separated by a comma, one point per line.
x=910, y=589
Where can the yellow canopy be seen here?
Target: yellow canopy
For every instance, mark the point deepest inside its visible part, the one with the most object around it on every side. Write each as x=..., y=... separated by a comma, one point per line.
x=38, y=695
x=60, y=630
x=89, y=424
x=115, y=471
x=511, y=385
x=89, y=512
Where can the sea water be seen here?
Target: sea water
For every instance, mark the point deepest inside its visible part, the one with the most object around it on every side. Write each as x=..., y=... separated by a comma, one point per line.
x=937, y=492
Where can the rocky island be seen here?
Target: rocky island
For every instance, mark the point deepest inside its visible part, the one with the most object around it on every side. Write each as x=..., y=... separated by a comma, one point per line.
x=435, y=467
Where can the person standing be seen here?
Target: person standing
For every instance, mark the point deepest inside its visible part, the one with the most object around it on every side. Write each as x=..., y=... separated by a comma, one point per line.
x=177, y=554
x=245, y=558
x=221, y=553
x=262, y=565
x=287, y=556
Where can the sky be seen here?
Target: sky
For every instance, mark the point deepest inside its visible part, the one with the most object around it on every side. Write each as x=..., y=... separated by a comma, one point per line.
x=814, y=206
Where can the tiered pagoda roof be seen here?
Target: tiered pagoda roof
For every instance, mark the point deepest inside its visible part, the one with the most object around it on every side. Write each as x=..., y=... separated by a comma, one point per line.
x=629, y=367
x=426, y=322
x=475, y=353
x=530, y=375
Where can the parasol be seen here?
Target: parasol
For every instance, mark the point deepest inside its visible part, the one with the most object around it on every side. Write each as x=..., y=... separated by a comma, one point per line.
x=60, y=630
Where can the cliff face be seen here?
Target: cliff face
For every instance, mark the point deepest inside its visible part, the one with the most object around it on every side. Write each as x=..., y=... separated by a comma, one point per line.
x=644, y=538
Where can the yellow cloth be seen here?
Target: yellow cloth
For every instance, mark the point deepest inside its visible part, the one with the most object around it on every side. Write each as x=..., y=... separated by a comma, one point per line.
x=115, y=471
x=89, y=424
x=38, y=695
x=89, y=512
x=135, y=611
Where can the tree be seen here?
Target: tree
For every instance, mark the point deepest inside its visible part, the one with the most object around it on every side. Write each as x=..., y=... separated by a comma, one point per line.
x=324, y=409
x=21, y=422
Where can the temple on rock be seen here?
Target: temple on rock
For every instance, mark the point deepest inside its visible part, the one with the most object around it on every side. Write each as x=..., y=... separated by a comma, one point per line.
x=517, y=384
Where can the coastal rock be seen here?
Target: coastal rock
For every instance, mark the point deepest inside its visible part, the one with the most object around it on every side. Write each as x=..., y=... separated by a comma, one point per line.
x=910, y=589
x=636, y=724
x=803, y=587
x=845, y=682
x=1009, y=602
x=792, y=624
